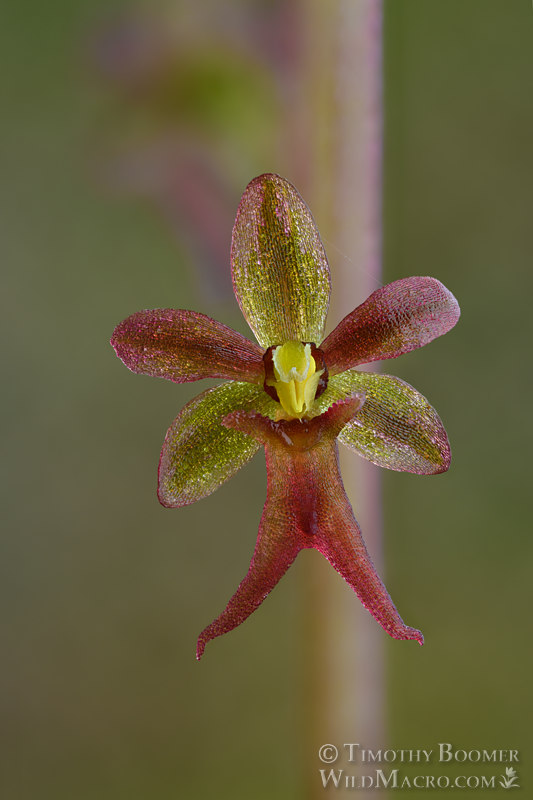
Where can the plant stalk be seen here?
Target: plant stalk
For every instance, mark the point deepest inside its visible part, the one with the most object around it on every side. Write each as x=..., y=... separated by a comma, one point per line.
x=344, y=654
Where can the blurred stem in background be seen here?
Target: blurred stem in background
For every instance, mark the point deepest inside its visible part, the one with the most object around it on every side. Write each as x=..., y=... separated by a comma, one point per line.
x=343, y=79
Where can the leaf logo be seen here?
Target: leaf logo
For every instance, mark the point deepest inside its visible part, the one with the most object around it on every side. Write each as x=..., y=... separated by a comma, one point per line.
x=509, y=779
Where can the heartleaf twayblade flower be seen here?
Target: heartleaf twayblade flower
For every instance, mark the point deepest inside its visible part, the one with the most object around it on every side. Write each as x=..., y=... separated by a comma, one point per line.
x=294, y=394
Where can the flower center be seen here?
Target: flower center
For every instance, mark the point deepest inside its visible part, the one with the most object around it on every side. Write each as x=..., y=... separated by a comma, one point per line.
x=292, y=377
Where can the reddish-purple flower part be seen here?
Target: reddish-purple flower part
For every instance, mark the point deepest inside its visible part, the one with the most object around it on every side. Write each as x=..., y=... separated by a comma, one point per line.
x=294, y=393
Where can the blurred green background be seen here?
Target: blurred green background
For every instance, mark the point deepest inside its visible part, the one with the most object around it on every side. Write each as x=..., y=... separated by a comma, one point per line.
x=128, y=137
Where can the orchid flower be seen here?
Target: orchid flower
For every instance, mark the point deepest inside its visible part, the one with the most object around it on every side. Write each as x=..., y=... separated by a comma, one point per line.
x=294, y=393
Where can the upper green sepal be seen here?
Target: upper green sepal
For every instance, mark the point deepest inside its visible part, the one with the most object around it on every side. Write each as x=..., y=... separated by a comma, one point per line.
x=280, y=270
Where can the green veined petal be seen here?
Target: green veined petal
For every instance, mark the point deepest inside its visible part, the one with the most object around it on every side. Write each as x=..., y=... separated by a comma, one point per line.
x=280, y=270
x=396, y=428
x=199, y=454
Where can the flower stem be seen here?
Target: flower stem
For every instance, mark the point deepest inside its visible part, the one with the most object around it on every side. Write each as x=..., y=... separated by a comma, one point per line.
x=343, y=75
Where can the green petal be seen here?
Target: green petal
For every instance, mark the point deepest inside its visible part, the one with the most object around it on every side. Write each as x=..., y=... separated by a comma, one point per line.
x=280, y=270
x=396, y=428
x=199, y=454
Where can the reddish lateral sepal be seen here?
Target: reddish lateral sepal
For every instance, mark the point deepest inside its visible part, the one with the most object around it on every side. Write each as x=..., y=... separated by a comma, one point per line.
x=184, y=346
x=395, y=319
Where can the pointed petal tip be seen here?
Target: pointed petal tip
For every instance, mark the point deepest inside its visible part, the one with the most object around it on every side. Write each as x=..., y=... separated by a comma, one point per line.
x=166, y=501
x=266, y=177
x=117, y=343
x=445, y=466
x=415, y=634
x=445, y=453
x=200, y=647
x=404, y=632
x=430, y=288
x=454, y=309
